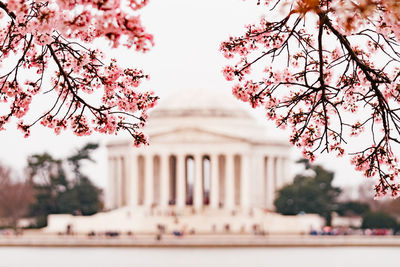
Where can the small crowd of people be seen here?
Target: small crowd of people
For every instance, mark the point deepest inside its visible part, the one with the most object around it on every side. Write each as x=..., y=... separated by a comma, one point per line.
x=328, y=230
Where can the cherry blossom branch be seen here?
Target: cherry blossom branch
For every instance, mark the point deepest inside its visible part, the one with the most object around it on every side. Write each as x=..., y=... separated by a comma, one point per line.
x=61, y=33
x=322, y=82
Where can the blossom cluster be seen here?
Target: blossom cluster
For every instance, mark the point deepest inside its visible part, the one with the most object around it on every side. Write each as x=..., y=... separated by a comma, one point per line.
x=320, y=61
x=40, y=33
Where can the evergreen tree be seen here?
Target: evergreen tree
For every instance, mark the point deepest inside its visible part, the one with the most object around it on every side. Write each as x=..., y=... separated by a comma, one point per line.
x=379, y=220
x=350, y=208
x=54, y=193
x=309, y=193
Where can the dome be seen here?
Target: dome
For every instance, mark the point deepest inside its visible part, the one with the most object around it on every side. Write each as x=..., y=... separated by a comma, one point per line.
x=200, y=103
x=211, y=110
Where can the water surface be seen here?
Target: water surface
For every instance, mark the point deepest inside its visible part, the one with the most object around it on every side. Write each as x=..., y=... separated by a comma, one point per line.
x=200, y=257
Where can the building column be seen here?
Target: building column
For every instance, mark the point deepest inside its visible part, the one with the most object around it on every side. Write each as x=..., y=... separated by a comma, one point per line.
x=180, y=181
x=111, y=184
x=198, y=183
x=133, y=180
x=125, y=182
x=270, y=184
x=164, y=181
x=279, y=173
x=229, y=182
x=256, y=173
x=244, y=182
x=127, y=177
x=118, y=182
x=149, y=180
x=214, y=186
x=286, y=171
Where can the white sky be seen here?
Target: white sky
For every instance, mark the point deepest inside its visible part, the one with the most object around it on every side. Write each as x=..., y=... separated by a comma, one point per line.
x=187, y=38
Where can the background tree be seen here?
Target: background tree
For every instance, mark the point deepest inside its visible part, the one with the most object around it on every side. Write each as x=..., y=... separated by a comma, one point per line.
x=330, y=69
x=312, y=193
x=15, y=197
x=59, y=189
x=389, y=206
x=352, y=208
x=379, y=220
x=44, y=48
x=88, y=195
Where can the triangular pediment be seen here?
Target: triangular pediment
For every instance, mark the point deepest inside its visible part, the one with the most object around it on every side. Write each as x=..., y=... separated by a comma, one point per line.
x=193, y=135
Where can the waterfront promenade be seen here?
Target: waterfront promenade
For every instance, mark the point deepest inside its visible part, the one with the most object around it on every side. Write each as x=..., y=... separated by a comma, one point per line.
x=29, y=240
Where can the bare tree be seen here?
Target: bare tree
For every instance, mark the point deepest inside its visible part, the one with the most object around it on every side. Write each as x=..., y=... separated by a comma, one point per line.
x=15, y=197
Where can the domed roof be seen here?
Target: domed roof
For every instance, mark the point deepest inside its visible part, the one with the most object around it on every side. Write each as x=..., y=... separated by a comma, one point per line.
x=200, y=103
x=214, y=111
x=200, y=113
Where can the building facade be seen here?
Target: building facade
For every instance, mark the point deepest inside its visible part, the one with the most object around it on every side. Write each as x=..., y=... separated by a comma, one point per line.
x=206, y=152
x=209, y=169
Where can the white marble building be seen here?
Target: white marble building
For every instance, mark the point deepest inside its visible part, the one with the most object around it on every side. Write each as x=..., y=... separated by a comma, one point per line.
x=209, y=168
x=206, y=152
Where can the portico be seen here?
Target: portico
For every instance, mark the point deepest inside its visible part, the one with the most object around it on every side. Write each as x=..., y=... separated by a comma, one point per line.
x=214, y=179
x=205, y=152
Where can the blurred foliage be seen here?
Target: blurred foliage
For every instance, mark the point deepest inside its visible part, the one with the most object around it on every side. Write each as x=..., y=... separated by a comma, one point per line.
x=352, y=208
x=391, y=206
x=82, y=154
x=15, y=197
x=379, y=220
x=309, y=193
x=60, y=187
x=387, y=205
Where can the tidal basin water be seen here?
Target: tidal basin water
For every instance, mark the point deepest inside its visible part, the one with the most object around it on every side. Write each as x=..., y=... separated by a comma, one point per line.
x=200, y=257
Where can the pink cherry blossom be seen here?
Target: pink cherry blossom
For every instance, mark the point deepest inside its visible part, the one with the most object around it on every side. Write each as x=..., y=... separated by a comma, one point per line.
x=331, y=72
x=59, y=33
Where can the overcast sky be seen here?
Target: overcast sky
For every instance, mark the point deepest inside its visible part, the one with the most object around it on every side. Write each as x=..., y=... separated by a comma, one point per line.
x=187, y=37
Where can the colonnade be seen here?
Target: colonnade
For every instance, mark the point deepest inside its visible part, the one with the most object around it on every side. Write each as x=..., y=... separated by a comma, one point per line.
x=226, y=181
